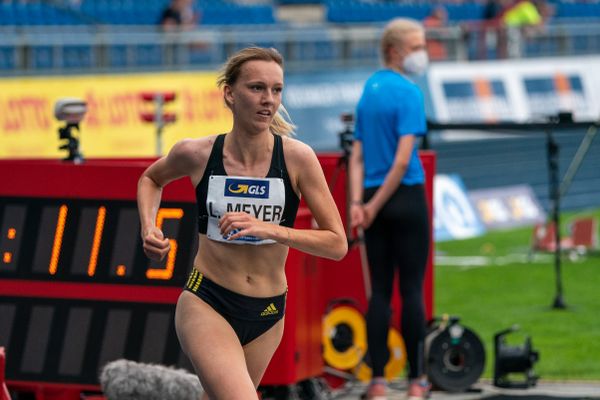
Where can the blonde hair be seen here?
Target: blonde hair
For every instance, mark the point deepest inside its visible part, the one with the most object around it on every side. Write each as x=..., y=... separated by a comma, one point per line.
x=281, y=123
x=395, y=32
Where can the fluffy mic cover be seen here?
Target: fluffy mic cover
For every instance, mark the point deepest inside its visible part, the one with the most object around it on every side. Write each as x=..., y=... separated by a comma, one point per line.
x=130, y=380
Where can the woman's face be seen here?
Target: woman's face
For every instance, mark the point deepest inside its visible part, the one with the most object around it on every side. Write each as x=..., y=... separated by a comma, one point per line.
x=413, y=41
x=256, y=95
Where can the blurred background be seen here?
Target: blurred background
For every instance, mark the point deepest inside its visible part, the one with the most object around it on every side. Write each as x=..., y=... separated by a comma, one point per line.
x=495, y=61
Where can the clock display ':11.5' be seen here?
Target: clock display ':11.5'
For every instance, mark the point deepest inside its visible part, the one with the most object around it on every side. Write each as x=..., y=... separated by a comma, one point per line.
x=91, y=241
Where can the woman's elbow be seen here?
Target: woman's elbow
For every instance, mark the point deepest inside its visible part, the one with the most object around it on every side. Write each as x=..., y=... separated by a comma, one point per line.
x=147, y=181
x=340, y=249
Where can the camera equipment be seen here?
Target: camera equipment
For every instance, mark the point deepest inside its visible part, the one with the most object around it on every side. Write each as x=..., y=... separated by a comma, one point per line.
x=513, y=359
x=72, y=111
x=454, y=354
x=346, y=135
x=346, y=138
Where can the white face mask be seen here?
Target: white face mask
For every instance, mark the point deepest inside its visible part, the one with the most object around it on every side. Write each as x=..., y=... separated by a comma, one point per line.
x=416, y=62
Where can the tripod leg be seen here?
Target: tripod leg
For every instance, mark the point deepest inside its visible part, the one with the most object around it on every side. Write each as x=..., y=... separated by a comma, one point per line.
x=364, y=263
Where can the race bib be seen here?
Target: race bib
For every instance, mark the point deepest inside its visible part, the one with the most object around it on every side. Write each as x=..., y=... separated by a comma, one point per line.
x=263, y=198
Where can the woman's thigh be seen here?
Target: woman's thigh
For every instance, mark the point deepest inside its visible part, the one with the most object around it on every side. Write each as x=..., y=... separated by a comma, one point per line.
x=260, y=351
x=214, y=350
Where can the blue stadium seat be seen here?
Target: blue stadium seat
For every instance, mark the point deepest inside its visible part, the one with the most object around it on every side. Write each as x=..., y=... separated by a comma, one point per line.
x=316, y=50
x=465, y=12
x=287, y=2
x=578, y=10
x=7, y=14
x=77, y=57
x=361, y=11
x=215, y=12
x=8, y=59
x=117, y=56
x=148, y=55
x=232, y=14
x=202, y=54
x=42, y=57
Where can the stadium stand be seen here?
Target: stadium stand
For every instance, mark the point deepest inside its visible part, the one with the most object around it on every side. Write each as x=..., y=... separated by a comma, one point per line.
x=222, y=12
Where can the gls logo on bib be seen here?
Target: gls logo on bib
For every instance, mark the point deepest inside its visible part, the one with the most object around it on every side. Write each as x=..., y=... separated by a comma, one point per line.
x=253, y=188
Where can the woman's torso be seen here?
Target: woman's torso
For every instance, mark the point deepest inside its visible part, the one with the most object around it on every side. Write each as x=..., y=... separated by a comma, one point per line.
x=253, y=270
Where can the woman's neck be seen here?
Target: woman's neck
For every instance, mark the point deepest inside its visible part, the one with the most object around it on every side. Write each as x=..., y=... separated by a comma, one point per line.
x=249, y=149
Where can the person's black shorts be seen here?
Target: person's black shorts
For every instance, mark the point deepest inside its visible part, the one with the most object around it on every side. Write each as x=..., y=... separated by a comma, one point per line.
x=249, y=317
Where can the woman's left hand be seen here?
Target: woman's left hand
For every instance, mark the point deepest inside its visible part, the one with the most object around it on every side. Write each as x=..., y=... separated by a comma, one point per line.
x=238, y=224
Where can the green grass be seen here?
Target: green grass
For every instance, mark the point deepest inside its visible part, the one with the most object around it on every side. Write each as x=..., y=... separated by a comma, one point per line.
x=494, y=297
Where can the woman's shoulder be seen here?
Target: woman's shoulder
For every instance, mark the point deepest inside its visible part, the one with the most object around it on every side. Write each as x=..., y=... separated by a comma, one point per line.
x=192, y=151
x=195, y=146
x=296, y=150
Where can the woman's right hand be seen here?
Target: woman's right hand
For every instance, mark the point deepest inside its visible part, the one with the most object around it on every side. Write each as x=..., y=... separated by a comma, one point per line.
x=156, y=247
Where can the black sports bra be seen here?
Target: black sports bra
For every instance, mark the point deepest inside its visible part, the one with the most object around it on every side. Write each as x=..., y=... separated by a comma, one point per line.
x=271, y=198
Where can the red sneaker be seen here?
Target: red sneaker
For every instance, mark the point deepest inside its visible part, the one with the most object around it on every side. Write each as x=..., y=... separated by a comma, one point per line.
x=418, y=390
x=376, y=391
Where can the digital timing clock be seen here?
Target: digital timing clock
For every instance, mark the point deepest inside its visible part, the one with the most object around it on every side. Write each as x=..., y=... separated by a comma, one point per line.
x=76, y=289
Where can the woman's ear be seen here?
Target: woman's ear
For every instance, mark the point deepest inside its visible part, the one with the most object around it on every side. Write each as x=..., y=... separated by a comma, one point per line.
x=228, y=95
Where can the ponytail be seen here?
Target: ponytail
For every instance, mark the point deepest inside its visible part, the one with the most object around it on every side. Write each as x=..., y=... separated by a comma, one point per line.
x=281, y=124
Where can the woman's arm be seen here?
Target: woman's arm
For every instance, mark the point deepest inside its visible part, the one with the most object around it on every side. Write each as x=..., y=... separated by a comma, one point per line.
x=328, y=239
x=356, y=174
x=173, y=166
x=392, y=179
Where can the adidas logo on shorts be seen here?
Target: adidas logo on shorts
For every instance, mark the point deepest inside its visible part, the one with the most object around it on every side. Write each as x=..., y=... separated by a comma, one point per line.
x=271, y=310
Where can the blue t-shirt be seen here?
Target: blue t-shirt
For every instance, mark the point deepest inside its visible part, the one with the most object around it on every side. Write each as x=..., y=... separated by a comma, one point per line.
x=390, y=107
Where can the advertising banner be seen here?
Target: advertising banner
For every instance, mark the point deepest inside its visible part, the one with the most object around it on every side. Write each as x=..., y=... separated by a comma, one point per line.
x=112, y=126
x=515, y=90
x=507, y=207
x=455, y=217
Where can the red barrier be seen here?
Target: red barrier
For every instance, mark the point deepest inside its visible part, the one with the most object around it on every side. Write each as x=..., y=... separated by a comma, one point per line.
x=345, y=277
x=36, y=194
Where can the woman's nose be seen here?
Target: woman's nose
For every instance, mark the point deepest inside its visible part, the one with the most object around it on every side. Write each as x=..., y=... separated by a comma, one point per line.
x=268, y=96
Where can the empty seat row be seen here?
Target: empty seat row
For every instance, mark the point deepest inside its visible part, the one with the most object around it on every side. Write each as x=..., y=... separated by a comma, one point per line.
x=127, y=12
x=221, y=12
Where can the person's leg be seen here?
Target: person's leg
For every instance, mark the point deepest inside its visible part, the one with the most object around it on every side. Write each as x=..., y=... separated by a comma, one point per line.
x=411, y=252
x=214, y=349
x=382, y=277
x=260, y=351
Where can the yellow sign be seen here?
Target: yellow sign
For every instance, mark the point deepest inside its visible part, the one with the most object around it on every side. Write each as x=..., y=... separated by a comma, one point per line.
x=112, y=126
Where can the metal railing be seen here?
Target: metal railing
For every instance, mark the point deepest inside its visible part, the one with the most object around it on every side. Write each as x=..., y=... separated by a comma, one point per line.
x=94, y=49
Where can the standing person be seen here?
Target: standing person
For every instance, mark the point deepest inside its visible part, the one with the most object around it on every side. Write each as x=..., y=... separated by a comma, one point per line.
x=437, y=20
x=388, y=199
x=179, y=15
x=229, y=318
